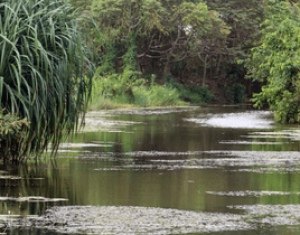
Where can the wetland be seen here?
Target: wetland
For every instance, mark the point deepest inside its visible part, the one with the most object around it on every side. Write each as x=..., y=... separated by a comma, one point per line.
x=191, y=170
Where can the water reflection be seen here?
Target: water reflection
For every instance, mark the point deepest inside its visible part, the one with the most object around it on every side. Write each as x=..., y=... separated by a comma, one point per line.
x=156, y=158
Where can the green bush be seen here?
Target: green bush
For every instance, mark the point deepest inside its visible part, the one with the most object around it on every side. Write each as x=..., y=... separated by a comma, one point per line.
x=43, y=62
x=156, y=95
x=195, y=95
x=126, y=88
x=13, y=137
x=276, y=62
x=201, y=95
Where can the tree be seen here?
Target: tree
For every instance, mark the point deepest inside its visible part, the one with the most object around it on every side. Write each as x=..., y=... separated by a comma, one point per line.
x=164, y=33
x=244, y=18
x=43, y=69
x=276, y=62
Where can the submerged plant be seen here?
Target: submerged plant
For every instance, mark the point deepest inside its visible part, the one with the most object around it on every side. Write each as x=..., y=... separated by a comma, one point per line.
x=43, y=62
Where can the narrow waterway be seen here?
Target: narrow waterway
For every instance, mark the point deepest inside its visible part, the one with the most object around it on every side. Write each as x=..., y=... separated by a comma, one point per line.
x=214, y=170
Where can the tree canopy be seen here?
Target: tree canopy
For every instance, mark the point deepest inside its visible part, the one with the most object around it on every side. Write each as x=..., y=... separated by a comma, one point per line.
x=276, y=62
x=167, y=32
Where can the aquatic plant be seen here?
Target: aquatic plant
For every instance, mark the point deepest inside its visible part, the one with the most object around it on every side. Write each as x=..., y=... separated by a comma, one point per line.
x=43, y=69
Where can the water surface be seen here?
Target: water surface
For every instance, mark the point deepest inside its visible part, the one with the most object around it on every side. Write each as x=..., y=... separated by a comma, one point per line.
x=229, y=169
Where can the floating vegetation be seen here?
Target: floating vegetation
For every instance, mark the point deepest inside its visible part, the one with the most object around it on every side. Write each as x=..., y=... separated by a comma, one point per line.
x=82, y=145
x=226, y=158
x=245, y=120
x=72, y=151
x=149, y=220
x=266, y=136
x=14, y=220
x=97, y=121
x=5, y=175
x=267, y=155
x=32, y=199
x=291, y=134
x=11, y=177
x=140, y=167
x=283, y=160
x=274, y=215
x=151, y=111
x=267, y=170
x=250, y=142
x=160, y=153
x=253, y=158
x=132, y=220
x=248, y=193
x=104, y=142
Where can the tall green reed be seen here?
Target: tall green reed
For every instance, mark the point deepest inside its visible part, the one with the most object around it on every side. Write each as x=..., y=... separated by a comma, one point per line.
x=45, y=70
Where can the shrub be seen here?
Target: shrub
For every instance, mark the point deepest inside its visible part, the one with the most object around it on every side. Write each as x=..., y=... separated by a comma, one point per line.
x=113, y=90
x=13, y=135
x=195, y=95
x=156, y=95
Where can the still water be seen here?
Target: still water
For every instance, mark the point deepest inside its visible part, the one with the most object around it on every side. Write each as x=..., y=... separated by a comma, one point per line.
x=213, y=170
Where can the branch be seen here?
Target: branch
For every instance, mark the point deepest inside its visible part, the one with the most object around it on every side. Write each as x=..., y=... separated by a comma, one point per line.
x=182, y=58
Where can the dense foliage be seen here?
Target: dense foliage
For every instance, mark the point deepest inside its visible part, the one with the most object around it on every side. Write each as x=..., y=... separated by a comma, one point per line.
x=276, y=62
x=139, y=40
x=154, y=35
x=43, y=70
x=244, y=18
x=195, y=42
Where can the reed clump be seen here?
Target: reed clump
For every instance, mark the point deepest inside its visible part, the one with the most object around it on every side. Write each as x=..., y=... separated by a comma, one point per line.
x=45, y=74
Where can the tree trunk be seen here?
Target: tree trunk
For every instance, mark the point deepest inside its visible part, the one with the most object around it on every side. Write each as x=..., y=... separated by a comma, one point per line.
x=204, y=72
x=167, y=67
x=139, y=68
x=218, y=66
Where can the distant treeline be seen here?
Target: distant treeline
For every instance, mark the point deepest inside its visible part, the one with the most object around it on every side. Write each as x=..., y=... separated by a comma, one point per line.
x=198, y=43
